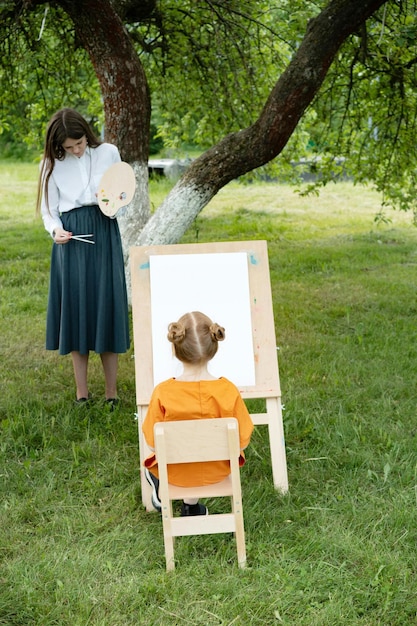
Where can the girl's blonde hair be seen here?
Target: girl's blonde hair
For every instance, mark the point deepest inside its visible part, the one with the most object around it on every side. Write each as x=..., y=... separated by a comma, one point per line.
x=195, y=337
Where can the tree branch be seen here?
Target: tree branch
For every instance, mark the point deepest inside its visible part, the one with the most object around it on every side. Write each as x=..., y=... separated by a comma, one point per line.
x=245, y=150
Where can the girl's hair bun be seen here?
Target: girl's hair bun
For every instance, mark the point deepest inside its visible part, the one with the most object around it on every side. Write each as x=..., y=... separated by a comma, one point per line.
x=217, y=332
x=195, y=337
x=176, y=332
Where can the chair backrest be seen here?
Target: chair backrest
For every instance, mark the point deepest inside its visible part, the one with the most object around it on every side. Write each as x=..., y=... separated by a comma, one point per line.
x=188, y=441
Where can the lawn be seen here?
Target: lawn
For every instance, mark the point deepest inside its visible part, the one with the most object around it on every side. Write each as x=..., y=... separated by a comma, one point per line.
x=77, y=547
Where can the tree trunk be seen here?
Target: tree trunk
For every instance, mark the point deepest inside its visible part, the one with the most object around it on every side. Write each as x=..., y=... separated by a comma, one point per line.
x=245, y=150
x=125, y=93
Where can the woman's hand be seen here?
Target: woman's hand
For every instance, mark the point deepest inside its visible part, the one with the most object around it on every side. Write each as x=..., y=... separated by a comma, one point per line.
x=61, y=235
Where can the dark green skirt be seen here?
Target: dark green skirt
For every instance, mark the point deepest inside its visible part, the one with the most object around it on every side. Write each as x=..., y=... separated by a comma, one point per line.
x=87, y=305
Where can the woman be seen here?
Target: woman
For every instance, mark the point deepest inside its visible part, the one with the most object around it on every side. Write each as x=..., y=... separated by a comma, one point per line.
x=87, y=305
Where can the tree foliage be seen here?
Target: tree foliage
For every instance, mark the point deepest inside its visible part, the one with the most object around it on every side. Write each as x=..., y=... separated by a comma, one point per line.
x=366, y=110
x=41, y=68
x=215, y=65
x=211, y=67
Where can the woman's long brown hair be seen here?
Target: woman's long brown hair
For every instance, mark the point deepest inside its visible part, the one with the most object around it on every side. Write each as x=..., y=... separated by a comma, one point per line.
x=64, y=124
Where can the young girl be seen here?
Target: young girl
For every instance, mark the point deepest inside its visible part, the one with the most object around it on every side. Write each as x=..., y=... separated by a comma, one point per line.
x=196, y=394
x=87, y=307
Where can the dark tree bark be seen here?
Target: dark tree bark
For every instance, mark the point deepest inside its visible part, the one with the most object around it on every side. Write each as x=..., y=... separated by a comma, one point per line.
x=123, y=83
x=126, y=98
x=124, y=88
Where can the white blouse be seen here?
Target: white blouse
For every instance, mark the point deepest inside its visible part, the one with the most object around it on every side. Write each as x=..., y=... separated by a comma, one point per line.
x=74, y=182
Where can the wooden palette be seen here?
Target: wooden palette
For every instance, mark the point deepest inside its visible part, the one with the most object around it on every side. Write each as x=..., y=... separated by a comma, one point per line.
x=116, y=189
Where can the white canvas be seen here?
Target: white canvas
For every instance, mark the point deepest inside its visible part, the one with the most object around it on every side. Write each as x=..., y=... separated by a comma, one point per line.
x=216, y=284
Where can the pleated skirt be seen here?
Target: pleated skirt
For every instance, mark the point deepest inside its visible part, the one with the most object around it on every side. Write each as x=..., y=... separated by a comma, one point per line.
x=87, y=302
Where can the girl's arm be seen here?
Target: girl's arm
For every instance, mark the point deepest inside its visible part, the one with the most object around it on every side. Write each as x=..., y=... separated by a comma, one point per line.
x=154, y=414
x=245, y=422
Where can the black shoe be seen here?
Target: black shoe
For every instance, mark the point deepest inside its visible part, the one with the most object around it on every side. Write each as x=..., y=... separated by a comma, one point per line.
x=83, y=401
x=112, y=403
x=154, y=483
x=193, y=509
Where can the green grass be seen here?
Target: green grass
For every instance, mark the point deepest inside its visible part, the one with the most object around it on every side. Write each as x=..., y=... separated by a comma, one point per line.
x=76, y=546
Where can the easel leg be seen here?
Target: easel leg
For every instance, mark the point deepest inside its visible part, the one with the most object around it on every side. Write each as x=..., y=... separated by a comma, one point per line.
x=277, y=444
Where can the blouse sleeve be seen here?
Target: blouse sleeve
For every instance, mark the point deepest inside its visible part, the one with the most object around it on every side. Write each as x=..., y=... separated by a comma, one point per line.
x=50, y=217
x=116, y=158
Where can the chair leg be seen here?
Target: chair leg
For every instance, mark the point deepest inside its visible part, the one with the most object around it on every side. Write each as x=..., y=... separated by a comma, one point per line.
x=239, y=533
x=169, y=551
x=169, y=540
x=241, y=550
x=169, y=557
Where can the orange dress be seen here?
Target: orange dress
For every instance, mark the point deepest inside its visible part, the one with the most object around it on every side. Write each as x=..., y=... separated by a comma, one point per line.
x=181, y=400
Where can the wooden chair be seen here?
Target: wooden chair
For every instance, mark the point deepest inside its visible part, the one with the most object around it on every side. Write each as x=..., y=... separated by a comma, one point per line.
x=188, y=441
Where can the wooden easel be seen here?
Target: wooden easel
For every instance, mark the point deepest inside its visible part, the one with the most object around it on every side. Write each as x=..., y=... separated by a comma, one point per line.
x=267, y=384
